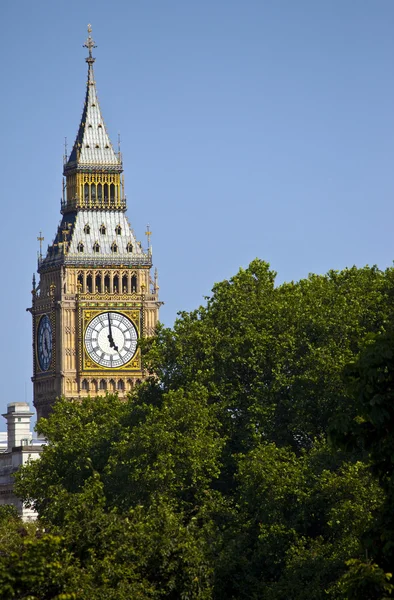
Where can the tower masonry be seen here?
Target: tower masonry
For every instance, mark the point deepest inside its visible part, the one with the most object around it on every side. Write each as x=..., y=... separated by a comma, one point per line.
x=96, y=296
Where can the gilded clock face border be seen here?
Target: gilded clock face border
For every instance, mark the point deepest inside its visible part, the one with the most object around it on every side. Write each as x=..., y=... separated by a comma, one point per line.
x=87, y=314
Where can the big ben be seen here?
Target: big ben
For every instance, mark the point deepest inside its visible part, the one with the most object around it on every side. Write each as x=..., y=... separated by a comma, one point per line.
x=96, y=296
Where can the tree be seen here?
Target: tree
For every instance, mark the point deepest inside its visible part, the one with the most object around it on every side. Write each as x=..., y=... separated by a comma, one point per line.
x=34, y=565
x=214, y=480
x=128, y=486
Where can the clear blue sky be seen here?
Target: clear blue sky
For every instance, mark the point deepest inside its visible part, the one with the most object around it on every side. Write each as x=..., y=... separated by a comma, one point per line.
x=249, y=128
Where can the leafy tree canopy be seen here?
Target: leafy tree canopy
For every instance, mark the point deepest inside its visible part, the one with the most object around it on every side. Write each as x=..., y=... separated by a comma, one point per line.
x=215, y=480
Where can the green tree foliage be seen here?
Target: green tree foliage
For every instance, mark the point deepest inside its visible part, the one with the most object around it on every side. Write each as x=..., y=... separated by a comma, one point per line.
x=370, y=380
x=214, y=480
x=34, y=565
x=128, y=486
x=272, y=357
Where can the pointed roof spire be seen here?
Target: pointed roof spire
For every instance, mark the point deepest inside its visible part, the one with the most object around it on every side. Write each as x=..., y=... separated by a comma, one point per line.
x=92, y=148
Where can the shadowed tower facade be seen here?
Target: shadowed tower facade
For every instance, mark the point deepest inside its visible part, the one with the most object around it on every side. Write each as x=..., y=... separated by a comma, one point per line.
x=96, y=296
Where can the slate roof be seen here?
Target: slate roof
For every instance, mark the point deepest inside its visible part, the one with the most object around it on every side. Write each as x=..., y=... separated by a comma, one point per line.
x=75, y=224
x=95, y=220
x=92, y=147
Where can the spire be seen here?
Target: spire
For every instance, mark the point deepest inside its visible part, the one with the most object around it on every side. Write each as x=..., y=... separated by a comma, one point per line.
x=92, y=148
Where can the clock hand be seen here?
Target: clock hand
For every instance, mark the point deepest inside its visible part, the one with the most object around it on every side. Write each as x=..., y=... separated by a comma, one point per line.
x=110, y=338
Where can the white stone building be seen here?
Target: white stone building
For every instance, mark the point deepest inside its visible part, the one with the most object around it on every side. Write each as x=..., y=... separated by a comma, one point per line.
x=17, y=447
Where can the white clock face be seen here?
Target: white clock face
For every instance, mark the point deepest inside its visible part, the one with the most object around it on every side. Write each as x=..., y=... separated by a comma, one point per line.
x=111, y=339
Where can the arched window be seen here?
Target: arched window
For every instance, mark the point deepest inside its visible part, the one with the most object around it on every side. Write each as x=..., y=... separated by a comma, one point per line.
x=80, y=282
x=114, y=247
x=121, y=385
x=112, y=193
x=106, y=193
x=80, y=247
x=106, y=283
x=99, y=192
x=129, y=384
x=103, y=384
x=103, y=229
x=116, y=283
x=93, y=192
x=118, y=230
x=134, y=283
x=86, y=229
x=94, y=385
x=96, y=247
x=129, y=247
x=124, y=284
x=85, y=385
x=98, y=283
x=89, y=284
x=112, y=385
x=86, y=192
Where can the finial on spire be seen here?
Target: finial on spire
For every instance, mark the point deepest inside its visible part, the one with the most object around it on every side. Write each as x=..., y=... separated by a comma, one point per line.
x=40, y=239
x=148, y=233
x=89, y=44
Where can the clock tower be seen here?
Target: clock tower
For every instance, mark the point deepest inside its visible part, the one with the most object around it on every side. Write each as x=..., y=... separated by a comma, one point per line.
x=95, y=297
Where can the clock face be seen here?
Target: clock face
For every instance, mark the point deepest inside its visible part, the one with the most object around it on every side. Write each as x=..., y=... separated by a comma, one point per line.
x=111, y=339
x=44, y=343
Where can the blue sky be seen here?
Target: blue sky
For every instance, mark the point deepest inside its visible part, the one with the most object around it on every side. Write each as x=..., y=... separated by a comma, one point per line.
x=249, y=129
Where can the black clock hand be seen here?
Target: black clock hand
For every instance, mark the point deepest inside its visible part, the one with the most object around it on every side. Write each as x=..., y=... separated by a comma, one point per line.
x=46, y=345
x=110, y=338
